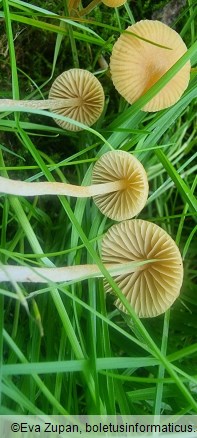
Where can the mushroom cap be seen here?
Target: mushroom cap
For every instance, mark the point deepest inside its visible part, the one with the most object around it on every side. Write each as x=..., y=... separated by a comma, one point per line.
x=85, y=97
x=137, y=65
x=128, y=202
x=153, y=287
x=114, y=3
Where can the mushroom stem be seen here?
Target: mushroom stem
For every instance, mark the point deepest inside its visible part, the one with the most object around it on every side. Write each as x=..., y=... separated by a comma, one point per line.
x=22, y=188
x=89, y=8
x=63, y=274
x=42, y=104
x=73, y=5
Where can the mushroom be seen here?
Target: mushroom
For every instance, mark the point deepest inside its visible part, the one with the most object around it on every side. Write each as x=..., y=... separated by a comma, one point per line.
x=154, y=287
x=76, y=94
x=83, y=94
x=136, y=65
x=119, y=189
x=143, y=258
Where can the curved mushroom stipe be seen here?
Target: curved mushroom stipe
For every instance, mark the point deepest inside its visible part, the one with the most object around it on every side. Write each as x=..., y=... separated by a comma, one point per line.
x=154, y=287
x=136, y=65
x=119, y=189
x=50, y=104
x=113, y=3
x=83, y=94
x=23, y=188
x=25, y=274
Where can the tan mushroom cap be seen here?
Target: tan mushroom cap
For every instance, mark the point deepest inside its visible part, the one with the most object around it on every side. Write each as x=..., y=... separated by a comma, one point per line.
x=131, y=199
x=154, y=287
x=114, y=3
x=84, y=95
x=137, y=65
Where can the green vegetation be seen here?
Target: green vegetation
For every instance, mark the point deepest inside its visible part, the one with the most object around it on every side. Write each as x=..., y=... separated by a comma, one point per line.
x=66, y=348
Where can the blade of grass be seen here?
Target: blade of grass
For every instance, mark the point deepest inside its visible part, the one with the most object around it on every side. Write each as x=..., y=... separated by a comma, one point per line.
x=49, y=396
x=184, y=190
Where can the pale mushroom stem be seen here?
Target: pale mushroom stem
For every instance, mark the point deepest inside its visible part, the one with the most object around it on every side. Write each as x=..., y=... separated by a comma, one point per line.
x=22, y=188
x=89, y=8
x=73, y=5
x=23, y=274
x=41, y=104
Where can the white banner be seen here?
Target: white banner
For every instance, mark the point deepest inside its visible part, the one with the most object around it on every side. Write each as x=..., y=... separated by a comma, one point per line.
x=32, y=426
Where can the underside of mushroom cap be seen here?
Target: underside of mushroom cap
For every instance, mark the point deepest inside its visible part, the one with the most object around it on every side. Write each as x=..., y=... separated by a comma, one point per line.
x=153, y=287
x=131, y=199
x=83, y=94
x=114, y=3
x=136, y=65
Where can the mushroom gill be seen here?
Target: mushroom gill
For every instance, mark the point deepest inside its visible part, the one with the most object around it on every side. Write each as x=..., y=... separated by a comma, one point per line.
x=131, y=199
x=153, y=287
x=136, y=65
x=83, y=97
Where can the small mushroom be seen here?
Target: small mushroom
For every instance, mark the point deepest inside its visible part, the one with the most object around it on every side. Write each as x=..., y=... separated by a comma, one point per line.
x=136, y=65
x=119, y=189
x=143, y=258
x=132, y=197
x=83, y=94
x=154, y=286
x=76, y=94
